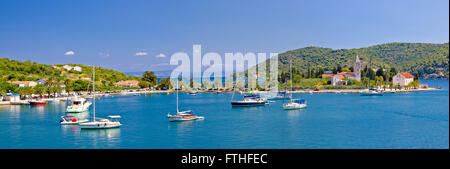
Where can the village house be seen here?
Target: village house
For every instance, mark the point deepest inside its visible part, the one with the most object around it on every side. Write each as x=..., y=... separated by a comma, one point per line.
x=402, y=79
x=340, y=78
x=77, y=68
x=67, y=67
x=127, y=83
x=23, y=83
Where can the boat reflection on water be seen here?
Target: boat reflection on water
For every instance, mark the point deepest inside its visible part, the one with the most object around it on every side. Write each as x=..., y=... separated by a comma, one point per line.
x=294, y=113
x=108, y=134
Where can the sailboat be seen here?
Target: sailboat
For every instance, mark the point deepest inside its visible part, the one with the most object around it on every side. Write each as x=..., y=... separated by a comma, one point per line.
x=183, y=115
x=372, y=91
x=110, y=122
x=294, y=103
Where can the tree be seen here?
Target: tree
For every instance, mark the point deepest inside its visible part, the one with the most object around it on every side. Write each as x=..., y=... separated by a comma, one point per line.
x=39, y=90
x=144, y=84
x=150, y=77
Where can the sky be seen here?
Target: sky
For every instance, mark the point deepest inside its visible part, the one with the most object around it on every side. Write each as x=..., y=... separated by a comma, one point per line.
x=135, y=36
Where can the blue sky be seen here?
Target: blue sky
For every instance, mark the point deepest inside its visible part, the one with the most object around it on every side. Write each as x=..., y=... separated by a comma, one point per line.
x=130, y=35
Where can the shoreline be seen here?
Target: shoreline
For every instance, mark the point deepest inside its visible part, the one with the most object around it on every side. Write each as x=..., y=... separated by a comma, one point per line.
x=337, y=91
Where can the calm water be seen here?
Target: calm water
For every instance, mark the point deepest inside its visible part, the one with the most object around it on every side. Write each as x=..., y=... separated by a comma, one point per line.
x=402, y=120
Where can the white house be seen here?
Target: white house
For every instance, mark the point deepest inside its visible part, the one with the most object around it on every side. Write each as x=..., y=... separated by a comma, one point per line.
x=23, y=83
x=77, y=68
x=402, y=79
x=67, y=67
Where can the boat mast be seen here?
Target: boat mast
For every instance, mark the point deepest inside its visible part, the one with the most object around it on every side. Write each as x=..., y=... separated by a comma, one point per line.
x=93, y=89
x=370, y=67
x=290, y=74
x=177, y=96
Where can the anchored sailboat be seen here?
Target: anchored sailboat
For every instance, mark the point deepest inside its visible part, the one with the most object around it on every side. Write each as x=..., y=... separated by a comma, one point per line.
x=110, y=122
x=183, y=115
x=372, y=91
x=295, y=103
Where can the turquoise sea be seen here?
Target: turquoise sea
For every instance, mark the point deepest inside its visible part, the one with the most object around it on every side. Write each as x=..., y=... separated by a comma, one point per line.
x=400, y=120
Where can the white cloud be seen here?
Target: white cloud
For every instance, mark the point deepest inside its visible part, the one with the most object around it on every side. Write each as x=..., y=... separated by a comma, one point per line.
x=161, y=55
x=141, y=53
x=69, y=53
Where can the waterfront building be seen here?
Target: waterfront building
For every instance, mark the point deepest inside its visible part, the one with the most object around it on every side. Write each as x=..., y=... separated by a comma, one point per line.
x=13, y=97
x=341, y=77
x=23, y=83
x=127, y=83
x=402, y=79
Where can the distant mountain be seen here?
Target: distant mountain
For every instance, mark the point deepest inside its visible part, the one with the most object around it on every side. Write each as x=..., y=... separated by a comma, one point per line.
x=418, y=58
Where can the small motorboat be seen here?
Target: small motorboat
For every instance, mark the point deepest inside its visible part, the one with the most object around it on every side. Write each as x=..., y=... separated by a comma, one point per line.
x=193, y=92
x=38, y=102
x=372, y=93
x=70, y=120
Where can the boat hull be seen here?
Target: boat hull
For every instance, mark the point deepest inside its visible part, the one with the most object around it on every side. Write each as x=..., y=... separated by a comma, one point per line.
x=185, y=119
x=72, y=123
x=238, y=103
x=38, y=103
x=98, y=125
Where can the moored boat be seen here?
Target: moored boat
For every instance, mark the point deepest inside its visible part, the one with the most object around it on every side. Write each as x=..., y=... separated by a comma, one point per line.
x=71, y=120
x=78, y=105
x=250, y=100
x=110, y=122
x=38, y=102
x=183, y=115
x=295, y=104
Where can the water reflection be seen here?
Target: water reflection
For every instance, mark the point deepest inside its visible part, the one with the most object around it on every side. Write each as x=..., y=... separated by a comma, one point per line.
x=103, y=133
x=72, y=129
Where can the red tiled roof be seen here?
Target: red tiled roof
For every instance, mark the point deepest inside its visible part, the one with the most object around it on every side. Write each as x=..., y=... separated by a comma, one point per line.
x=127, y=82
x=407, y=75
x=346, y=73
x=19, y=82
x=327, y=75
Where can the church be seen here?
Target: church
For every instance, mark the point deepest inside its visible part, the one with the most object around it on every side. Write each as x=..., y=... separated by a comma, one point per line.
x=338, y=79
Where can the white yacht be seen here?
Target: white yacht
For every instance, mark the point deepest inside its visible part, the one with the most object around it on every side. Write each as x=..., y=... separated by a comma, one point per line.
x=110, y=122
x=78, y=105
x=295, y=103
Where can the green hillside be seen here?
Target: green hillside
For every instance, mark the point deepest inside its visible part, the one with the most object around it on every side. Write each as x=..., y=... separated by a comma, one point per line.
x=423, y=59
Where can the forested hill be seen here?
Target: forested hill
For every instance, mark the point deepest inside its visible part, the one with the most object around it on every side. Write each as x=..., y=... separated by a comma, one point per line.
x=12, y=70
x=417, y=58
